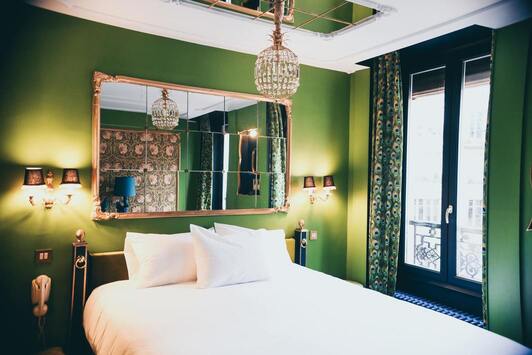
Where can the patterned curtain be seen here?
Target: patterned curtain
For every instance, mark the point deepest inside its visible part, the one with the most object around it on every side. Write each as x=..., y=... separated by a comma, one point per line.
x=386, y=174
x=204, y=201
x=485, y=199
x=277, y=154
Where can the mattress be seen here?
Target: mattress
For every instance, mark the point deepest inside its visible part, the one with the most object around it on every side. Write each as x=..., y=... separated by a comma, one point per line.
x=302, y=312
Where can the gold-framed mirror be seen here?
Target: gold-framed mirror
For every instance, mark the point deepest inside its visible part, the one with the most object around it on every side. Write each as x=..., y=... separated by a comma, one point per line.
x=254, y=8
x=169, y=150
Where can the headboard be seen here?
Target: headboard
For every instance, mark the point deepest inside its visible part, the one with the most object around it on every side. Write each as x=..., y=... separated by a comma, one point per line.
x=111, y=266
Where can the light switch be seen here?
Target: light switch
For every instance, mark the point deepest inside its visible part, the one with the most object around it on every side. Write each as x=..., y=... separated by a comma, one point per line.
x=43, y=256
x=313, y=235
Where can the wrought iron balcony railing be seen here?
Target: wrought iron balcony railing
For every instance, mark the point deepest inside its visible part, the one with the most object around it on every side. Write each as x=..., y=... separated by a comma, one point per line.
x=427, y=244
x=427, y=249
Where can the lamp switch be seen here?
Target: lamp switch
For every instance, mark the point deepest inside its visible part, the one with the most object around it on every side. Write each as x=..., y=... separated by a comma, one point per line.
x=43, y=256
x=313, y=235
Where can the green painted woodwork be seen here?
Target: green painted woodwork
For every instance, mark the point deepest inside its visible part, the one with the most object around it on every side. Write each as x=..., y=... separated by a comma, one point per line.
x=122, y=119
x=358, y=193
x=45, y=109
x=526, y=205
x=505, y=188
x=357, y=202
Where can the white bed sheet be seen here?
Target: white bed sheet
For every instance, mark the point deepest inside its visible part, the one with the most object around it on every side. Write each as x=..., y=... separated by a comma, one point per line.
x=304, y=312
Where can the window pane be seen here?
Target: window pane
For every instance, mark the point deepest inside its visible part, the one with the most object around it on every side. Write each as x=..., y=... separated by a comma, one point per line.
x=472, y=135
x=424, y=169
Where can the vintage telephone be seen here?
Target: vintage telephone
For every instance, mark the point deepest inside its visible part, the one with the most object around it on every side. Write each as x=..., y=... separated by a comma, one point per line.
x=40, y=292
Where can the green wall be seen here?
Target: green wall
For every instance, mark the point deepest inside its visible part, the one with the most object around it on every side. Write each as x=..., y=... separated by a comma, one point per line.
x=526, y=206
x=357, y=202
x=45, y=112
x=358, y=193
x=509, y=293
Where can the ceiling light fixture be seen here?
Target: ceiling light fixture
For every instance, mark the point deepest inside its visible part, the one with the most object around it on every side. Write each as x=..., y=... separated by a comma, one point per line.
x=164, y=112
x=277, y=67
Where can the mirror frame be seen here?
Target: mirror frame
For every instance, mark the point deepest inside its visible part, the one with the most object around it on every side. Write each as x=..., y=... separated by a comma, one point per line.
x=288, y=18
x=97, y=214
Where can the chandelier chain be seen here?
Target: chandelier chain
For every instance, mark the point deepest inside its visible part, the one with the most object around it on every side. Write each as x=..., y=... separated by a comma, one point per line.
x=278, y=19
x=277, y=67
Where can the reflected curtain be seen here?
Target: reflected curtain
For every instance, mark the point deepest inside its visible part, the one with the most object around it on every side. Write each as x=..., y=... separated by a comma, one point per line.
x=485, y=198
x=204, y=201
x=277, y=153
x=386, y=174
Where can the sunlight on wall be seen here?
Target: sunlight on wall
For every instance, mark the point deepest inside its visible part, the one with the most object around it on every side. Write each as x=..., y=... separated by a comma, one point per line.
x=47, y=145
x=321, y=164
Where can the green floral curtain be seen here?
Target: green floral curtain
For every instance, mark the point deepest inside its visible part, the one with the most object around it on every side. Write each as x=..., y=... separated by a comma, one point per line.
x=386, y=174
x=277, y=153
x=204, y=201
x=485, y=199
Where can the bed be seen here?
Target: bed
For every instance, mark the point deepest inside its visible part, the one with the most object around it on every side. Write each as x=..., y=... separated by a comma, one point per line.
x=302, y=312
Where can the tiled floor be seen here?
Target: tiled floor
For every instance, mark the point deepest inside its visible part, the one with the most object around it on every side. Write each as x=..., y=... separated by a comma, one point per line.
x=466, y=317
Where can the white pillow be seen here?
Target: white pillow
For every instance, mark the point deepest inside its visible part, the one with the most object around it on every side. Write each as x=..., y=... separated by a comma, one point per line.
x=274, y=244
x=227, y=260
x=159, y=259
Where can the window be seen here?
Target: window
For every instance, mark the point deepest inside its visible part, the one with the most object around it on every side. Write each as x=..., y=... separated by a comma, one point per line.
x=475, y=91
x=446, y=108
x=424, y=156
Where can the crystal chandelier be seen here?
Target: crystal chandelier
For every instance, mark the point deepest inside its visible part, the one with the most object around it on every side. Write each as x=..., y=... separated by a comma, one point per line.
x=164, y=112
x=277, y=67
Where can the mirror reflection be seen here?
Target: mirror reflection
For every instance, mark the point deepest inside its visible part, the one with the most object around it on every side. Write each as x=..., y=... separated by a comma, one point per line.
x=164, y=150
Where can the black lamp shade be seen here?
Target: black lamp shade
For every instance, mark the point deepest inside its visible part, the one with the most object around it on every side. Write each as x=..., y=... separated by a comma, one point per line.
x=70, y=177
x=328, y=183
x=33, y=177
x=309, y=182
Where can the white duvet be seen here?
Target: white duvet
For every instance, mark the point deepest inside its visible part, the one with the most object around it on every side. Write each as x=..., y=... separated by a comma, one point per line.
x=302, y=313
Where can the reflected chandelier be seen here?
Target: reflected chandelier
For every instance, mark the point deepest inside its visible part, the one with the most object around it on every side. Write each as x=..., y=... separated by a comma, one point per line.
x=277, y=67
x=164, y=112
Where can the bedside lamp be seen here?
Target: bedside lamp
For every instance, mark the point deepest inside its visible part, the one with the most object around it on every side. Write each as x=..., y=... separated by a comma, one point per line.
x=70, y=182
x=124, y=187
x=33, y=182
x=310, y=186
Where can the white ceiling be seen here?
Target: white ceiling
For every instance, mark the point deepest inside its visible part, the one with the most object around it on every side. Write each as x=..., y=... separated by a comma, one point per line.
x=139, y=98
x=408, y=22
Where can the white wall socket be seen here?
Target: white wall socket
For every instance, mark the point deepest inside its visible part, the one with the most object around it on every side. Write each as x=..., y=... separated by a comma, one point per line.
x=313, y=235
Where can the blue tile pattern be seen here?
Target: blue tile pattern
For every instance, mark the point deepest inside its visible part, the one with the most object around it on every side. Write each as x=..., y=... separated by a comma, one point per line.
x=453, y=312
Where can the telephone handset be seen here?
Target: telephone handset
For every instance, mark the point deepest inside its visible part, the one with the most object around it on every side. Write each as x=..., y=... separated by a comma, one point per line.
x=40, y=292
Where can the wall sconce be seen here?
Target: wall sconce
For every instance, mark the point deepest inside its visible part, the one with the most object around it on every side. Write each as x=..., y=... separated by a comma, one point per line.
x=124, y=187
x=309, y=185
x=38, y=186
